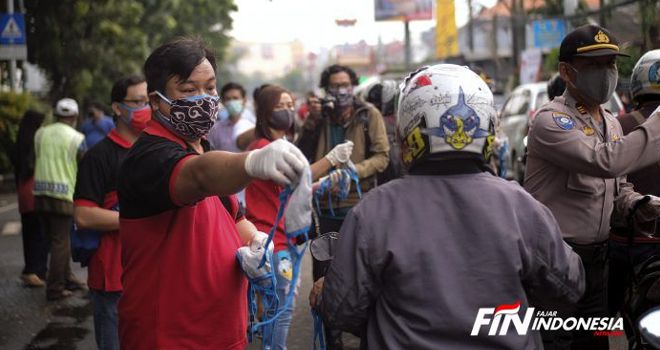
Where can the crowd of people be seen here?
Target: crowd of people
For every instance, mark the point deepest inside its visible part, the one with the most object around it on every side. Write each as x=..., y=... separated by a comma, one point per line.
x=157, y=199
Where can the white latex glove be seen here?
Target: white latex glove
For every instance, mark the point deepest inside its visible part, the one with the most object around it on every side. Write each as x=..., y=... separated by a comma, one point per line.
x=340, y=154
x=280, y=161
x=259, y=240
x=649, y=211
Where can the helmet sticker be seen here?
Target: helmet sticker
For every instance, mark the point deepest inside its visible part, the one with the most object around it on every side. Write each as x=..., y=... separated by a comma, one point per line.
x=459, y=125
x=654, y=74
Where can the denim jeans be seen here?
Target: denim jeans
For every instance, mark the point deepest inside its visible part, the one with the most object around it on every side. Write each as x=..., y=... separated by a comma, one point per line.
x=105, y=319
x=283, y=262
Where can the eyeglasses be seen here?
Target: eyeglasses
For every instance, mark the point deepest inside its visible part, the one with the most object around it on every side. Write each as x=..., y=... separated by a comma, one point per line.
x=339, y=86
x=137, y=103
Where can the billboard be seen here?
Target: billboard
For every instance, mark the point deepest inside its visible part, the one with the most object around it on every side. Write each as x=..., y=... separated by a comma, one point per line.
x=446, y=33
x=399, y=10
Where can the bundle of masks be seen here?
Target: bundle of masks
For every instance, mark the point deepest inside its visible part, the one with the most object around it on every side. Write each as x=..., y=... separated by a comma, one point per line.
x=338, y=185
x=296, y=208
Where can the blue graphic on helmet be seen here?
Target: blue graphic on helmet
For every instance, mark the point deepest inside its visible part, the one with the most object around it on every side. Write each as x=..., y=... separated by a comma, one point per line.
x=459, y=124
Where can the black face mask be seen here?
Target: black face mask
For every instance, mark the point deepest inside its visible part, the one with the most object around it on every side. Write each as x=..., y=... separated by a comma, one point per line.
x=281, y=119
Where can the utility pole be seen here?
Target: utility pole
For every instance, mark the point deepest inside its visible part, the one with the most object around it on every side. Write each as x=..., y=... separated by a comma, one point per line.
x=470, y=27
x=406, y=26
x=515, y=48
x=12, y=62
x=602, y=13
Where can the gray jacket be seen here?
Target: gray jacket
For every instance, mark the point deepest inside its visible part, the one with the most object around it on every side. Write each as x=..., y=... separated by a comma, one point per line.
x=418, y=257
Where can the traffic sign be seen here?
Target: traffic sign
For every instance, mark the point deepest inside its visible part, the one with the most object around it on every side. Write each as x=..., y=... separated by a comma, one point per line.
x=12, y=29
x=548, y=33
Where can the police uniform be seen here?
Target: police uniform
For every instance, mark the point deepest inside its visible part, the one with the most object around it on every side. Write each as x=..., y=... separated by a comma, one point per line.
x=577, y=167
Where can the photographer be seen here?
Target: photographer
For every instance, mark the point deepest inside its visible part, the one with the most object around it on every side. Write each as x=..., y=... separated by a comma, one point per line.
x=343, y=117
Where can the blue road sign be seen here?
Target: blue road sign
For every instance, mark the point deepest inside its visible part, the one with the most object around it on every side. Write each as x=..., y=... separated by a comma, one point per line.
x=12, y=29
x=548, y=33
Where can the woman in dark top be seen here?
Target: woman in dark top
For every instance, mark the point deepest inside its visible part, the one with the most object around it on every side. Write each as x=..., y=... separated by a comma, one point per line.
x=35, y=243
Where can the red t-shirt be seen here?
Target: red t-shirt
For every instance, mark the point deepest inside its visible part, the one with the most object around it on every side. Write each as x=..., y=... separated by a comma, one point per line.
x=262, y=199
x=96, y=186
x=183, y=288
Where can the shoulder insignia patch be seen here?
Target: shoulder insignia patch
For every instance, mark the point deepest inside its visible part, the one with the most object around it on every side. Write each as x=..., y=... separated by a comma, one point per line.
x=563, y=121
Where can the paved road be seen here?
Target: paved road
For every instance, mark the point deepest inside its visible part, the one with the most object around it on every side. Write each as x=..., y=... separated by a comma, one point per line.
x=27, y=321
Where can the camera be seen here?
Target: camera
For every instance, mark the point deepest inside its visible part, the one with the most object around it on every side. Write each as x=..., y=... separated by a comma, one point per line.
x=327, y=105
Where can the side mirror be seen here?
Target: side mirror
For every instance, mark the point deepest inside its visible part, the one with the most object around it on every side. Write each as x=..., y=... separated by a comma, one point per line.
x=322, y=247
x=649, y=327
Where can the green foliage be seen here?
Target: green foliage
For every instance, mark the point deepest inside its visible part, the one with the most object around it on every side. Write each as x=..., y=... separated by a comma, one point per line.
x=12, y=107
x=85, y=45
x=551, y=63
x=626, y=64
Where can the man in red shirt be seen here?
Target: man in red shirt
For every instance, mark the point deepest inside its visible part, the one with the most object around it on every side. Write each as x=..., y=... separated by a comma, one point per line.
x=95, y=201
x=183, y=288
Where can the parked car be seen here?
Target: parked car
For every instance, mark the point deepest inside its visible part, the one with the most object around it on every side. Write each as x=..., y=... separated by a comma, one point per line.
x=516, y=113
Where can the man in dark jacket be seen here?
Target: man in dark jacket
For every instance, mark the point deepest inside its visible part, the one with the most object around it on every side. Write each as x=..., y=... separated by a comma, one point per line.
x=421, y=257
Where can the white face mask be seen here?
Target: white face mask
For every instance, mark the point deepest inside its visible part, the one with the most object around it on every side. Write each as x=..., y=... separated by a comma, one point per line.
x=298, y=213
x=596, y=84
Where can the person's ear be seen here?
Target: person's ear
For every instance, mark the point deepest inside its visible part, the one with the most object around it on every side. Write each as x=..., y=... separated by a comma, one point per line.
x=566, y=72
x=116, y=109
x=154, y=99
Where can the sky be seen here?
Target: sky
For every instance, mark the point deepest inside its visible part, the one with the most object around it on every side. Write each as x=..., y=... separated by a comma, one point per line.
x=313, y=22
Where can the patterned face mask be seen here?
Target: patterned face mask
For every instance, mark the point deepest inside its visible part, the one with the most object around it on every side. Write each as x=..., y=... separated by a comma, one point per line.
x=190, y=117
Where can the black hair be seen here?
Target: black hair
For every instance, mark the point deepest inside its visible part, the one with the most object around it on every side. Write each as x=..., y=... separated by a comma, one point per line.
x=257, y=90
x=232, y=86
x=98, y=105
x=556, y=86
x=121, y=86
x=177, y=58
x=23, y=155
x=334, y=69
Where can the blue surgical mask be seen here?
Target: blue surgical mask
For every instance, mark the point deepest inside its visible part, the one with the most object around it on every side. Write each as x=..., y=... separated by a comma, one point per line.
x=234, y=107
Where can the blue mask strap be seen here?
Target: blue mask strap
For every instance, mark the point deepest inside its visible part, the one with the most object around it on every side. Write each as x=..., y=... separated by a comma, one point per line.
x=167, y=100
x=318, y=332
x=284, y=197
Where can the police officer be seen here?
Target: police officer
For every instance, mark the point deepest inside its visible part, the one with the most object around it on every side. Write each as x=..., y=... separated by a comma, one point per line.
x=578, y=158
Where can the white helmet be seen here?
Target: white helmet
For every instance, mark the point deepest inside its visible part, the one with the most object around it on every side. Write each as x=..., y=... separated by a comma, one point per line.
x=645, y=79
x=448, y=110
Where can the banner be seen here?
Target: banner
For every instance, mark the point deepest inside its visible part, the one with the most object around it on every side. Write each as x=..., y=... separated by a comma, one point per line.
x=446, y=34
x=399, y=10
x=530, y=65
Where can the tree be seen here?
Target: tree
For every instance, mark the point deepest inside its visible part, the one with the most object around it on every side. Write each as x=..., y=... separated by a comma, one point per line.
x=85, y=45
